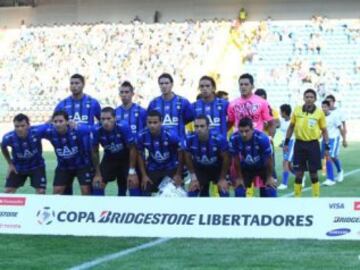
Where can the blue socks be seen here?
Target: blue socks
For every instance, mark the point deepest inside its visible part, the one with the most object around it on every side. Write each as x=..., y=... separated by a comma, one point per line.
x=329, y=170
x=98, y=191
x=240, y=192
x=285, y=178
x=193, y=193
x=337, y=164
x=134, y=191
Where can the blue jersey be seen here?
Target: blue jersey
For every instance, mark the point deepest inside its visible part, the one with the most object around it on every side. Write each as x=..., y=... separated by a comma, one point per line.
x=72, y=149
x=176, y=113
x=82, y=111
x=26, y=153
x=162, y=150
x=253, y=153
x=216, y=111
x=135, y=117
x=115, y=142
x=206, y=153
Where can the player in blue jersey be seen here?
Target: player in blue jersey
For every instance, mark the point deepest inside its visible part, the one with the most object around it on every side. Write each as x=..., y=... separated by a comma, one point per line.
x=175, y=110
x=26, y=158
x=133, y=114
x=80, y=107
x=213, y=107
x=74, y=157
x=206, y=158
x=252, y=154
x=164, y=155
x=120, y=154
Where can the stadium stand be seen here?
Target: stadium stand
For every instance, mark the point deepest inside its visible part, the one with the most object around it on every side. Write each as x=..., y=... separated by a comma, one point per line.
x=285, y=56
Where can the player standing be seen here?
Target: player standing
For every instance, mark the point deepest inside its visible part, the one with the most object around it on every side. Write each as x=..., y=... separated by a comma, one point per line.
x=308, y=123
x=133, y=114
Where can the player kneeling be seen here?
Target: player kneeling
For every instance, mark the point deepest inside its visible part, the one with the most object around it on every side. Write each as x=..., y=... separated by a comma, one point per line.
x=252, y=154
x=26, y=156
x=119, y=157
x=160, y=150
x=207, y=159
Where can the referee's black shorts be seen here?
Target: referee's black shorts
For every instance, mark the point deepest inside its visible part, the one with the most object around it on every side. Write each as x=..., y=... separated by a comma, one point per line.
x=307, y=156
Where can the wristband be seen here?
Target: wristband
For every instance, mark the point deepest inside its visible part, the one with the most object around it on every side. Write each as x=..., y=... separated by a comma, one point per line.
x=132, y=171
x=287, y=141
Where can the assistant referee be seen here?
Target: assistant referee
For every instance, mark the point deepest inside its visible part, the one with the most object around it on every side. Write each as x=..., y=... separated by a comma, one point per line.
x=309, y=123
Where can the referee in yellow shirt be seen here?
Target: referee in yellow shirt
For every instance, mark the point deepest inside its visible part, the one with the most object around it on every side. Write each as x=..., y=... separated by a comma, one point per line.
x=309, y=123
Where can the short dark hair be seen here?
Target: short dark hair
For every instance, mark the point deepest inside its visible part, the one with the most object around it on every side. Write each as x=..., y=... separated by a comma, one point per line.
x=127, y=84
x=247, y=76
x=326, y=102
x=61, y=113
x=166, y=76
x=285, y=108
x=210, y=79
x=261, y=92
x=78, y=76
x=155, y=113
x=312, y=91
x=203, y=117
x=221, y=94
x=21, y=117
x=332, y=97
x=246, y=122
x=109, y=110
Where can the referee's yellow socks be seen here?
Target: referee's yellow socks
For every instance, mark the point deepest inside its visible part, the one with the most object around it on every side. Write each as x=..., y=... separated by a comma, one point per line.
x=297, y=190
x=250, y=191
x=315, y=189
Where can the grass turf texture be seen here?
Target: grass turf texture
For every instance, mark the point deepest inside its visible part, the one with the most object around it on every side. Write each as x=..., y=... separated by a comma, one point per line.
x=55, y=252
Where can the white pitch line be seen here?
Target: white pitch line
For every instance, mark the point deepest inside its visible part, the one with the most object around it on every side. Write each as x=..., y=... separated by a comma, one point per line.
x=305, y=189
x=113, y=256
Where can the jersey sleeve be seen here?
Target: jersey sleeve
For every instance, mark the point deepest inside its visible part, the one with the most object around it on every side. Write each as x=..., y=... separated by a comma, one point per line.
x=41, y=129
x=231, y=114
x=143, y=115
x=188, y=113
x=265, y=111
x=186, y=144
x=59, y=107
x=5, y=140
x=151, y=106
x=322, y=120
x=223, y=144
x=266, y=146
x=127, y=134
x=97, y=109
x=140, y=143
x=233, y=145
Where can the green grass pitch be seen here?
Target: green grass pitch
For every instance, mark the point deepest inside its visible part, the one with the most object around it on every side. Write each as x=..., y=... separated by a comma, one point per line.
x=55, y=252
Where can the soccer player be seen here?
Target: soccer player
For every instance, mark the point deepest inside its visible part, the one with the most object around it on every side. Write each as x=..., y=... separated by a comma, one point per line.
x=285, y=111
x=165, y=156
x=206, y=158
x=213, y=107
x=133, y=114
x=175, y=110
x=250, y=106
x=308, y=123
x=120, y=154
x=333, y=109
x=26, y=158
x=252, y=154
x=334, y=128
x=80, y=107
x=275, y=114
x=72, y=151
